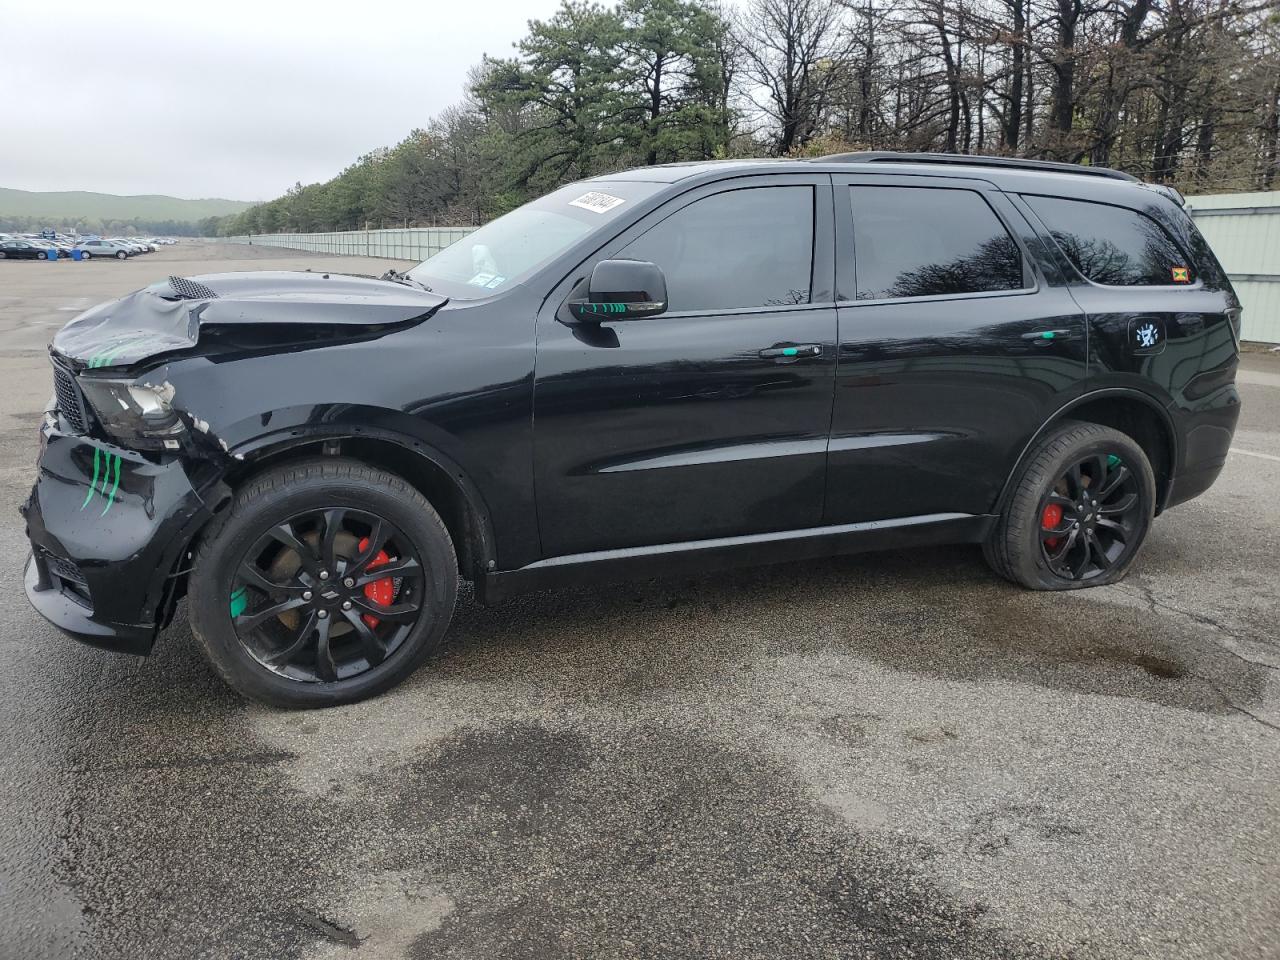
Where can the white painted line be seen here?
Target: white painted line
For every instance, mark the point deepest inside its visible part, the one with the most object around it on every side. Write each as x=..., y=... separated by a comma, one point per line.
x=1260, y=456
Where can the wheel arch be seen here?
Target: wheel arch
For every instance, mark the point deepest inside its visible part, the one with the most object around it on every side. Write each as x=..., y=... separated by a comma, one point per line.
x=1130, y=411
x=438, y=478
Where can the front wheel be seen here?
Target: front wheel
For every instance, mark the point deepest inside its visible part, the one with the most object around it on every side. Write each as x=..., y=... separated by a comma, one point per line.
x=324, y=582
x=1079, y=512
x=121, y=255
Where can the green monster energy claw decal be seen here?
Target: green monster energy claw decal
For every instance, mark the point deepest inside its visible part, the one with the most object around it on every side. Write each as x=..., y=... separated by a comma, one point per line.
x=105, y=357
x=106, y=466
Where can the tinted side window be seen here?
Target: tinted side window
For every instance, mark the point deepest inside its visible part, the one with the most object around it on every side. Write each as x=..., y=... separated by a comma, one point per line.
x=1113, y=245
x=927, y=241
x=743, y=248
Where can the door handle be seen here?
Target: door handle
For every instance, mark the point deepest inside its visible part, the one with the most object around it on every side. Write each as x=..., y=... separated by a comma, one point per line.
x=791, y=351
x=1041, y=337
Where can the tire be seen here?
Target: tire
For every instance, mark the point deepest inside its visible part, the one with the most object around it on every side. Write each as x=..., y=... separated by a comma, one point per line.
x=41, y=255
x=2, y=254
x=121, y=255
x=1099, y=538
x=86, y=255
x=327, y=487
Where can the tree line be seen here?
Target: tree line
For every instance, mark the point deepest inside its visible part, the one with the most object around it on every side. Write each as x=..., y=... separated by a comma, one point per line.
x=97, y=226
x=1184, y=92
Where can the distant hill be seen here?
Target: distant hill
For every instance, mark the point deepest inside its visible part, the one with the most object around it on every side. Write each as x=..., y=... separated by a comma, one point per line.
x=80, y=204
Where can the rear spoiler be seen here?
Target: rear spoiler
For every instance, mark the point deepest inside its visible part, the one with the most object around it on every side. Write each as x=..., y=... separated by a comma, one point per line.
x=1167, y=191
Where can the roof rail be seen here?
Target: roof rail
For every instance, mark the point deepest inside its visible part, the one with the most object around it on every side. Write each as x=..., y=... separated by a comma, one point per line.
x=969, y=160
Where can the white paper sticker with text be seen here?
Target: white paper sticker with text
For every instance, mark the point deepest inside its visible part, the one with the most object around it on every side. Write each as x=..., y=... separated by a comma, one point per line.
x=596, y=202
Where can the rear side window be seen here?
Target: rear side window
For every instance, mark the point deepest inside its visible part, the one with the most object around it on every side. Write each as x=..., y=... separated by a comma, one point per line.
x=927, y=242
x=1114, y=245
x=735, y=250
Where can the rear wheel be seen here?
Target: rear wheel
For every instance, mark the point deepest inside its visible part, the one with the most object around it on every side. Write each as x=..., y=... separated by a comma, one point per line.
x=326, y=582
x=1079, y=513
x=41, y=255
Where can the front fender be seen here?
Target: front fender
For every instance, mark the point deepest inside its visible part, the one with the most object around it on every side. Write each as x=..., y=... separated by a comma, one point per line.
x=383, y=427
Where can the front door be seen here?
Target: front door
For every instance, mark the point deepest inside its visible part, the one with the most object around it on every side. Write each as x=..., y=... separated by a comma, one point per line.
x=710, y=420
x=958, y=339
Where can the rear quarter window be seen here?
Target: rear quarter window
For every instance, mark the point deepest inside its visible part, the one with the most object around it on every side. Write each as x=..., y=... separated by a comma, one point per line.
x=1112, y=245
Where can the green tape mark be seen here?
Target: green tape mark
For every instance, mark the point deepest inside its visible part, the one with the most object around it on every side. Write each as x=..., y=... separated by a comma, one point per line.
x=789, y=351
x=1112, y=461
x=115, y=485
x=605, y=307
x=238, y=602
x=93, y=485
x=1048, y=335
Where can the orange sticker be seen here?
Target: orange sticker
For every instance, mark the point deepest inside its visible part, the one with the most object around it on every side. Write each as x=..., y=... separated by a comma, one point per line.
x=1181, y=274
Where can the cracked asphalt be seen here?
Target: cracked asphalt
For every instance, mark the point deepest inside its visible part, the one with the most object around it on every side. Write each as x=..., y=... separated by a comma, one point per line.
x=885, y=756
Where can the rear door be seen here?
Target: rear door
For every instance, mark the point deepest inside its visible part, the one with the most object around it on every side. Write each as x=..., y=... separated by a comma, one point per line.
x=958, y=339
x=710, y=420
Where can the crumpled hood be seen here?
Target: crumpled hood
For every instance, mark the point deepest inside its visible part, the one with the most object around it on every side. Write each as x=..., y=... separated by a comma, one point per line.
x=169, y=315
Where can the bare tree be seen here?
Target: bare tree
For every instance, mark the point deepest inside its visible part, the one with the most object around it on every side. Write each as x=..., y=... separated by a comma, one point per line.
x=794, y=52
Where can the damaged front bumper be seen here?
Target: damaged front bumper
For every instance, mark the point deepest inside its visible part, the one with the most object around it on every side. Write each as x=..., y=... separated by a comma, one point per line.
x=108, y=528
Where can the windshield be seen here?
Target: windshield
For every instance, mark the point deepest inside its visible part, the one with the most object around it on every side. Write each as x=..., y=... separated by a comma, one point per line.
x=507, y=250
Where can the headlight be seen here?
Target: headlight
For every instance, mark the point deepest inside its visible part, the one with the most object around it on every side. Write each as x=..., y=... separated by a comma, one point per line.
x=132, y=412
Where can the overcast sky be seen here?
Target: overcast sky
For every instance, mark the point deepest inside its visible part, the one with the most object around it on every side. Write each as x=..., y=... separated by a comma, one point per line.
x=229, y=98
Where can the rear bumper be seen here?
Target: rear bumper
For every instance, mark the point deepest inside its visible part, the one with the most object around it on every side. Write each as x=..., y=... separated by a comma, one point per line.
x=108, y=528
x=1207, y=435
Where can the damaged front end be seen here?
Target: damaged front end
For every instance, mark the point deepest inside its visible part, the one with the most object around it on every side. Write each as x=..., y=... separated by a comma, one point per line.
x=128, y=472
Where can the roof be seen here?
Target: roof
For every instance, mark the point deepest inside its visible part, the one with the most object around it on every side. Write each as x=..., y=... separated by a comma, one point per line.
x=1002, y=171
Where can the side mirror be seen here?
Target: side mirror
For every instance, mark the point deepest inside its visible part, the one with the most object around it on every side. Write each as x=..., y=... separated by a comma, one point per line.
x=622, y=290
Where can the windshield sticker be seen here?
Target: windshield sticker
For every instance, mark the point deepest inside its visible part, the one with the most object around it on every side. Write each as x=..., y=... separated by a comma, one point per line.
x=596, y=202
x=484, y=279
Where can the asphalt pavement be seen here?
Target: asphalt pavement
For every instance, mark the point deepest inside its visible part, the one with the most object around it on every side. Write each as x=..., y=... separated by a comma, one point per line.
x=886, y=756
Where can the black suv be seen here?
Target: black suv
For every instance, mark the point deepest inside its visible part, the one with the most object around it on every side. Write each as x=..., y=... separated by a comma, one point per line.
x=671, y=368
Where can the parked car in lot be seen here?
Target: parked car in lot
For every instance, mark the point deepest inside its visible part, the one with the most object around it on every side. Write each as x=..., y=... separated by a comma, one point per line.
x=665, y=370
x=134, y=248
x=18, y=249
x=103, y=248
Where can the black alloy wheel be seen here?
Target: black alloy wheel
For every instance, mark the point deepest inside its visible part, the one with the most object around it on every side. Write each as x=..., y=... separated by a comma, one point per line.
x=326, y=595
x=1090, y=517
x=324, y=581
x=1077, y=510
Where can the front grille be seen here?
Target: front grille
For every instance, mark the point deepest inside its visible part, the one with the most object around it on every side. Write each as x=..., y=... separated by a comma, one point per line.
x=70, y=400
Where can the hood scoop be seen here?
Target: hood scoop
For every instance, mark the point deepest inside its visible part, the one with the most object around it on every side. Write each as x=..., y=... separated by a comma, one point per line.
x=184, y=289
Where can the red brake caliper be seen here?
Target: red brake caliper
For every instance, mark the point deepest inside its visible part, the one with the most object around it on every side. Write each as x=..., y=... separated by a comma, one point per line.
x=1049, y=520
x=380, y=591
